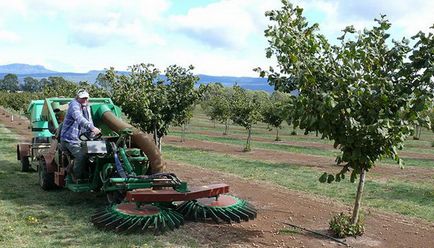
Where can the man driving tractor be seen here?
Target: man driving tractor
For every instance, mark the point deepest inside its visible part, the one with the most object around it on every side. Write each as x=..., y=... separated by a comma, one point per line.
x=78, y=120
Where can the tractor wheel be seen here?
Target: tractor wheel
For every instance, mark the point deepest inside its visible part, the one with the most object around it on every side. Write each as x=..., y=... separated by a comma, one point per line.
x=46, y=180
x=25, y=164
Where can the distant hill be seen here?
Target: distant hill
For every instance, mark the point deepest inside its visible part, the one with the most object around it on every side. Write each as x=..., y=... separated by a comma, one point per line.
x=39, y=72
x=251, y=83
x=24, y=69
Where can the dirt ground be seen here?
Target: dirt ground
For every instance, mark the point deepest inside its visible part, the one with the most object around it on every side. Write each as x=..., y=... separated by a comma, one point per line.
x=277, y=205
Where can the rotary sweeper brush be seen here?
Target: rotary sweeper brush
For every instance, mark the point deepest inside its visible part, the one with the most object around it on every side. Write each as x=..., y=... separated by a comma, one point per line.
x=126, y=165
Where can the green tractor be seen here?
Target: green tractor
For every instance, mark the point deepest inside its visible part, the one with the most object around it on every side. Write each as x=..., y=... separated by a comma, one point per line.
x=125, y=164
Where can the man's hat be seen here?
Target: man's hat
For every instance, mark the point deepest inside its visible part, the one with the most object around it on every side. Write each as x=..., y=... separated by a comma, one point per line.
x=82, y=93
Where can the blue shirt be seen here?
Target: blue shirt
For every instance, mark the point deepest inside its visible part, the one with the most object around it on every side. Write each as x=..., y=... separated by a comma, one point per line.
x=75, y=122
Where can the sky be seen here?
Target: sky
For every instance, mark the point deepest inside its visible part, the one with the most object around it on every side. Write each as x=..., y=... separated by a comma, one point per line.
x=217, y=37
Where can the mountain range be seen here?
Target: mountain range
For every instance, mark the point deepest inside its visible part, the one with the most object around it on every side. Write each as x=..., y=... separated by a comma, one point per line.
x=38, y=72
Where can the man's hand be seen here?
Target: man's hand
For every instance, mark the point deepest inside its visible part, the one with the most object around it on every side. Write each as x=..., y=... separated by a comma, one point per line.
x=96, y=131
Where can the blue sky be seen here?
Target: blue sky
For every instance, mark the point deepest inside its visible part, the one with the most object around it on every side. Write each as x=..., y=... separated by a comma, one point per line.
x=218, y=37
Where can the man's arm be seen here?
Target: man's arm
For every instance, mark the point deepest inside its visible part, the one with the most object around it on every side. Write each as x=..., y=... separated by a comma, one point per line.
x=77, y=115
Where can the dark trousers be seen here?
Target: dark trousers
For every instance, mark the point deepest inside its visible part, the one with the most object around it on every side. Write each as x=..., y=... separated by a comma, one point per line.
x=80, y=158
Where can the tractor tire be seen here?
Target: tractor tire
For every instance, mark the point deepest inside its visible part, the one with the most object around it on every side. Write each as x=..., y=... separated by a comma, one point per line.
x=46, y=180
x=25, y=164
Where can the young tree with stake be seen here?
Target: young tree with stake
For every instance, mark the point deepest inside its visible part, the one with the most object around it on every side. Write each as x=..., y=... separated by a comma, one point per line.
x=362, y=94
x=276, y=110
x=246, y=111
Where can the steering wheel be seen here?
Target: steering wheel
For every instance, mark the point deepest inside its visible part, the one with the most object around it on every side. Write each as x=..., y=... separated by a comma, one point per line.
x=88, y=136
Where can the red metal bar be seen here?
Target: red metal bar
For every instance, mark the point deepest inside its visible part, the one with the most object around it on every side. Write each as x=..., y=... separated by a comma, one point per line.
x=169, y=195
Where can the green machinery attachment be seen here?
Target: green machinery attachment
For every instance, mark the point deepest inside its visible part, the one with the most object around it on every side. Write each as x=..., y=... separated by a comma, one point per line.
x=126, y=165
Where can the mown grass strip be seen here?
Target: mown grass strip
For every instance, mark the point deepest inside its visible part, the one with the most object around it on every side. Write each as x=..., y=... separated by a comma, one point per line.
x=410, y=162
x=416, y=146
x=31, y=217
x=201, y=121
x=263, y=145
x=284, y=134
x=392, y=196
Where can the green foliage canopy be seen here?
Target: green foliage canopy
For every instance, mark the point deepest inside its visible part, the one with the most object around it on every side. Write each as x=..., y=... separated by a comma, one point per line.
x=32, y=85
x=361, y=94
x=149, y=101
x=182, y=95
x=276, y=109
x=216, y=101
x=9, y=83
x=246, y=107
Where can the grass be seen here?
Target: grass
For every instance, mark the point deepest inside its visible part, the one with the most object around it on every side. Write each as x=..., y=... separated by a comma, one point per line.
x=257, y=131
x=282, y=147
x=263, y=145
x=412, y=199
x=31, y=217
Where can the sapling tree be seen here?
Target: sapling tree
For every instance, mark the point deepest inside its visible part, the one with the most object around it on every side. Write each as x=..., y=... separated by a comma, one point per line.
x=363, y=94
x=182, y=96
x=246, y=111
x=207, y=92
x=132, y=93
x=152, y=103
x=219, y=104
x=276, y=110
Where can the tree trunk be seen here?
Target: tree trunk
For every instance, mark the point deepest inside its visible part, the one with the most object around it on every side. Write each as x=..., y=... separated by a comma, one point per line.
x=247, y=148
x=184, y=127
x=226, y=127
x=157, y=139
x=155, y=135
x=160, y=139
x=360, y=187
x=418, y=131
x=213, y=121
x=277, y=134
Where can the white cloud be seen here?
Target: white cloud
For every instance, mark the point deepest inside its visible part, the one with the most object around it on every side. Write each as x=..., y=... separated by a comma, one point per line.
x=408, y=17
x=222, y=38
x=211, y=63
x=224, y=24
x=95, y=23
